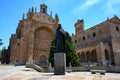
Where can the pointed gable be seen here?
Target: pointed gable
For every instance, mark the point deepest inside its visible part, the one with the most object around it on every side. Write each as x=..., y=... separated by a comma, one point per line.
x=115, y=19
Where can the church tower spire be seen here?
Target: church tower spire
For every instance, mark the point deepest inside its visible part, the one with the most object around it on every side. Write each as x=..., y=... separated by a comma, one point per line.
x=43, y=8
x=56, y=19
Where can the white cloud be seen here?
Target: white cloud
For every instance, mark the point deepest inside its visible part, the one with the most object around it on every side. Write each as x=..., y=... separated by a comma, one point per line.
x=111, y=6
x=87, y=4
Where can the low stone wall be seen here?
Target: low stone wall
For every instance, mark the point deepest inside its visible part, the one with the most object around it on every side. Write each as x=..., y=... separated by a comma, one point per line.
x=74, y=69
x=115, y=69
x=18, y=63
x=83, y=68
x=39, y=69
x=101, y=68
x=108, y=69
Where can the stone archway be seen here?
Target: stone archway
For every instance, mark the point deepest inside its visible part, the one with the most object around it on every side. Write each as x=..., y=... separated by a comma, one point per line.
x=88, y=58
x=78, y=54
x=107, y=56
x=42, y=41
x=94, y=56
x=83, y=56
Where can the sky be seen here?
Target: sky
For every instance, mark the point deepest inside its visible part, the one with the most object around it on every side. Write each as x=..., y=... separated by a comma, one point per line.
x=69, y=11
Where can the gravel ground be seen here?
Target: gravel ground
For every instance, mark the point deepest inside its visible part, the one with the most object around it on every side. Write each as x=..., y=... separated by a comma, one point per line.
x=22, y=73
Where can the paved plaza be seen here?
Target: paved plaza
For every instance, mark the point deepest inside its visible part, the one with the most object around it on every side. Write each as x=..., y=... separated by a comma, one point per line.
x=10, y=72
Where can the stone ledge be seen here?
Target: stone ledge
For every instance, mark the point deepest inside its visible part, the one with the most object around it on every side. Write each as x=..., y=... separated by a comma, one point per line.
x=39, y=69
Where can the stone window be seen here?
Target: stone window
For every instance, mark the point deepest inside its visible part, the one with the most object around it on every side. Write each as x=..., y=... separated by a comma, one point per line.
x=18, y=44
x=75, y=41
x=94, y=34
x=44, y=11
x=117, y=29
x=107, y=55
x=88, y=36
x=83, y=37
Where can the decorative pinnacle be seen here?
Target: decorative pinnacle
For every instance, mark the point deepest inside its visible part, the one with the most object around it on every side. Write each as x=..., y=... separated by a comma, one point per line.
x=23, y=16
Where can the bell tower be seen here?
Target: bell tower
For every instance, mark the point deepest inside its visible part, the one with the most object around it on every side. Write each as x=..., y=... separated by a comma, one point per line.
x=79, y=26
x=43, y=8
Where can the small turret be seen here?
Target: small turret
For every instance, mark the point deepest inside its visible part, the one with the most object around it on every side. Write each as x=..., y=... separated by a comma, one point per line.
x=56, y=19
x=23, y=17
x=79, y=26
x=35, y=9
x=51, y=13
x=43, y=8
x=30, y=13
x=107, y=18
x=29, y=10
x=32, y=10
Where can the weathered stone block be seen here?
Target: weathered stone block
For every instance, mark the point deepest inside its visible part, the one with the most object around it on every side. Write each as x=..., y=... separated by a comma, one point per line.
x=59, y=63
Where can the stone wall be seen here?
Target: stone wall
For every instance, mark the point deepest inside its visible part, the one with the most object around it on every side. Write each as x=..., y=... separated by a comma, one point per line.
x=32, y=40
x=108, y=69
x=103, y=37
x=115, y=69
x=117, y=58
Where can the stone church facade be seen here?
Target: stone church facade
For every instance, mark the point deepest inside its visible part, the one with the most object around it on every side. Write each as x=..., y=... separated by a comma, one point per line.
x=99, y=44
x=31, y=43
x=32, y=40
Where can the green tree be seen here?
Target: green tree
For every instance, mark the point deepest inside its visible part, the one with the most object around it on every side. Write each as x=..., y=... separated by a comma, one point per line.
x=1, y=42
x=52, y=51
x=0, y=54
x=71, y=56
x=0, y=50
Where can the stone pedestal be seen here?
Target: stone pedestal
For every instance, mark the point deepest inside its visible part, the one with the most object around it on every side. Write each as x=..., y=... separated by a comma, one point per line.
x=59, y=63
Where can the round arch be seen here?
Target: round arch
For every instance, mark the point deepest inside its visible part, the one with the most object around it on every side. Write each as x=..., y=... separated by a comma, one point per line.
x=88, y=56
x=93, y=55
x=107, y=56
x=42, y=39
x=45, y=28
x=83, y=56
x=78, y=54
x=43, y=59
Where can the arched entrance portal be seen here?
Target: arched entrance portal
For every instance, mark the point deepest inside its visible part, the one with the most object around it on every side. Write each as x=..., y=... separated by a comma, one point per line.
x=42, y=41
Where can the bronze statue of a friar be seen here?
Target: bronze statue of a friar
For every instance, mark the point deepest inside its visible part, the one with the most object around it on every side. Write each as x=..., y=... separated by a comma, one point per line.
x=60, y=56
x=60, y=39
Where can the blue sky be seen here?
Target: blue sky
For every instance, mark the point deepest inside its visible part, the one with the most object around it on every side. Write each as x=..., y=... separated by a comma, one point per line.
x=92, y=11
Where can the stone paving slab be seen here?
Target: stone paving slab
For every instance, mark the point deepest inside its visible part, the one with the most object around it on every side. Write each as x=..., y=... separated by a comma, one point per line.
x=68, y=76
x=28, y=74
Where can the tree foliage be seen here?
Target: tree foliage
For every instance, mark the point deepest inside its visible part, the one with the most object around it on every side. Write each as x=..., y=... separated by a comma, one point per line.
x=71, y=56
x=0, y=50
x=1, y=42
x=0, y=54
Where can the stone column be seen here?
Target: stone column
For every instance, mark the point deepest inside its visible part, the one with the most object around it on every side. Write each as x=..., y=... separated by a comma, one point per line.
x=100, y=54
